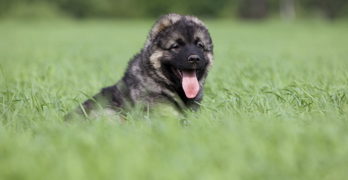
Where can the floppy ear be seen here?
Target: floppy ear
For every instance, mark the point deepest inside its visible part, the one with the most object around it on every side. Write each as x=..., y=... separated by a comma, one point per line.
x=161, y=24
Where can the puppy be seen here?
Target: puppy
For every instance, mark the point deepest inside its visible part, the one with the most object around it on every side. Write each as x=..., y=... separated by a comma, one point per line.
x=171, y=69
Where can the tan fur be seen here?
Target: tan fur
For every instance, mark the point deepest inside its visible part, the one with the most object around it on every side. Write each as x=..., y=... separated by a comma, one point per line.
x=210, y=57
x=165, y=22
x=162, y=24
x=155, y=61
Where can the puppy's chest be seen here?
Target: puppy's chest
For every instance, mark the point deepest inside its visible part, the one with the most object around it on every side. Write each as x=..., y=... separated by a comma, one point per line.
x=156, y=97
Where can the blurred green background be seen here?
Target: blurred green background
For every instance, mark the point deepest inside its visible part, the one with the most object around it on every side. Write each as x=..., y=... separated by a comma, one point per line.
x=246, y=9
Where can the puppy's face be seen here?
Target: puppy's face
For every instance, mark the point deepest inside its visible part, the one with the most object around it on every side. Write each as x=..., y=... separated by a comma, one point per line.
x=182, y=52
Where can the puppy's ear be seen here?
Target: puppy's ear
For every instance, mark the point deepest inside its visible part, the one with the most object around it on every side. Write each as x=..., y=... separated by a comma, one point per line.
x=194, y=20
x=162, y=23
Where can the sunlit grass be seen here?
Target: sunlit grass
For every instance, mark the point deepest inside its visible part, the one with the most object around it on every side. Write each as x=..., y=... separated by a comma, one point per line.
x=275, y=104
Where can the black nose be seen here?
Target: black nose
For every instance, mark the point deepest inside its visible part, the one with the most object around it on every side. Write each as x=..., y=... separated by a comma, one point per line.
x=193, y=58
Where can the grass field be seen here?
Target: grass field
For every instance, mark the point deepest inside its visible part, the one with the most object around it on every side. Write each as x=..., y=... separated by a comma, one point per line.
x=276, y=104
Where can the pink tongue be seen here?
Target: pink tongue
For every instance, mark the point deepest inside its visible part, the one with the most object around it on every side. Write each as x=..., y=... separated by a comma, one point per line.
x=190, y=84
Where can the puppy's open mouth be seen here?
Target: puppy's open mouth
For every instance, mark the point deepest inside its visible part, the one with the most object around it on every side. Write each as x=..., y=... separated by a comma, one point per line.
x=189, y=82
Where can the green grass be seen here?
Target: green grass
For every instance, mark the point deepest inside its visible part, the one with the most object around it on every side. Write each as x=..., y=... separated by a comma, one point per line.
x=275, y=107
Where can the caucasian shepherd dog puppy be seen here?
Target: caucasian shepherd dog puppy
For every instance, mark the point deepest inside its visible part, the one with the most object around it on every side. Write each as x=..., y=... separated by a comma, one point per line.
x=171, y=69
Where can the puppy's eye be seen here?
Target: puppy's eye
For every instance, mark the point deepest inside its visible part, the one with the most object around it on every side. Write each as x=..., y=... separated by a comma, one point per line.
x=174, y=46
x=200, y=45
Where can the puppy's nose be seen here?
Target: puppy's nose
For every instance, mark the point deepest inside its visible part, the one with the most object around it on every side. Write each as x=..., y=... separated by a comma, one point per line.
x=193, y=58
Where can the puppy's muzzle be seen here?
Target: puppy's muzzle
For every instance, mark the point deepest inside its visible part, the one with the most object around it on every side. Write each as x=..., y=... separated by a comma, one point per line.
x=193, y=59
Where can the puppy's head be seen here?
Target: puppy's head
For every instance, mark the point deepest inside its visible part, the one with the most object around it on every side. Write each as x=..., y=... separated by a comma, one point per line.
x=181, y=52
